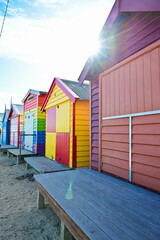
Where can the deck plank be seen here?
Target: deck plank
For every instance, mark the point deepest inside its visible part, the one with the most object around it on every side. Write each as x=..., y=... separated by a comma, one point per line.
x=45, y=165
x=24, y=152
x=106, y=202
x=4, y=147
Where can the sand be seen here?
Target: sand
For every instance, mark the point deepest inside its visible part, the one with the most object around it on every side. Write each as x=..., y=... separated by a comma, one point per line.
x=19, y=217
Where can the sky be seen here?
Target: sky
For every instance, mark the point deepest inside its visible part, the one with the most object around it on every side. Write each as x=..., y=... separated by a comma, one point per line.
x=43, y=39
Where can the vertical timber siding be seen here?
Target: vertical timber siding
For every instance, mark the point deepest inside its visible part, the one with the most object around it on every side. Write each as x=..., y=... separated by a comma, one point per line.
x=133, y=86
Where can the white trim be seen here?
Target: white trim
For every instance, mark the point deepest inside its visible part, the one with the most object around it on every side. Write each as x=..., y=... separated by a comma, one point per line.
x=132, y=115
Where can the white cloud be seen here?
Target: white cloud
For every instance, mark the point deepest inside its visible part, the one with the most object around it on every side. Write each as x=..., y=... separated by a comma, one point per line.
x=48, y=40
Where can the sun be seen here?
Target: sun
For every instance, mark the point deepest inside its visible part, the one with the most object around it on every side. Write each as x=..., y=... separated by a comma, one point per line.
x=94, y=47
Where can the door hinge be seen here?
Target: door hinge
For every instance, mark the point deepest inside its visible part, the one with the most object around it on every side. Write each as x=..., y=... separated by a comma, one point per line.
x=101, y=124
x=101, y=163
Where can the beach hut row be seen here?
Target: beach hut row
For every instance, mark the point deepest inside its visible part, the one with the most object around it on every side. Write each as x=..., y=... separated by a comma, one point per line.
x=122, y=114
x=54, y=124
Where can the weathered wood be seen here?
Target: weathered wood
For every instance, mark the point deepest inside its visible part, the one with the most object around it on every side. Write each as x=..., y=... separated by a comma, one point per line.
x=27, y=166
x=5, y=147
x=96, y=206
x=65, y=234
x=8, y=154
x=40, y=200
x=45, y=165
x=16, y=153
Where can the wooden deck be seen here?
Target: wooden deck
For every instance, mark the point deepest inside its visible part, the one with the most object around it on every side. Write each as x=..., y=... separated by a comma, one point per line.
x=16, y=153
x=5, y=147
x=99, y=207
x=45, y=165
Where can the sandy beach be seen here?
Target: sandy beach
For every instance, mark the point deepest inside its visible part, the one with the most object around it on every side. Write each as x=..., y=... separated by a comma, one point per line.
x=19, y=217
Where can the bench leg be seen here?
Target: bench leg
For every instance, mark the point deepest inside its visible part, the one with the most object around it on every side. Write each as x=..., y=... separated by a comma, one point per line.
x=40, y=200
x=27, y=166
x=8, y=154
x=18, y=160
x=65, y=234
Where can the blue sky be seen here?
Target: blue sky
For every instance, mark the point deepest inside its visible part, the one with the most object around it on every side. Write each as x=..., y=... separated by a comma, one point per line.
x=43, y=39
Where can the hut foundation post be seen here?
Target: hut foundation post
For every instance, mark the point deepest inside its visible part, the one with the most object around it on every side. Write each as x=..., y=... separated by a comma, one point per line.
x=40, y=200
x=8, y=154
x=65, y=234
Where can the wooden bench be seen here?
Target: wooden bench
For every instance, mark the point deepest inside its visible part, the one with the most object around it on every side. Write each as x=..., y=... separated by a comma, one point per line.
x=95, y=206
x=44, y=165
x=16, y=153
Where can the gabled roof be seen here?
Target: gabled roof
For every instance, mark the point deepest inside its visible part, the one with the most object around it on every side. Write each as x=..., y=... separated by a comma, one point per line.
x=36, y=92
x=82, y=92
x=17, y=108
x=70, y=88
x=6, y=113
x=116, y=16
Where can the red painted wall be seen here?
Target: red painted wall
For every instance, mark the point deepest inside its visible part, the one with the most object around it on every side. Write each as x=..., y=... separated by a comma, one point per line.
x=28, y=105
x=62, y=148
x=41, y=99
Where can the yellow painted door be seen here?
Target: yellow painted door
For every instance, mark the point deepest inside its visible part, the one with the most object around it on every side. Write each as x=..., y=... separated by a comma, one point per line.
x=63, y=117
x=50, y=145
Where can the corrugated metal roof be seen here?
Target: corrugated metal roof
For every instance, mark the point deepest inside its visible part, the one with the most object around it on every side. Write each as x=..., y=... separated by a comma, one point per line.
x=36, y=92
x=82, y=92
x=18, y=109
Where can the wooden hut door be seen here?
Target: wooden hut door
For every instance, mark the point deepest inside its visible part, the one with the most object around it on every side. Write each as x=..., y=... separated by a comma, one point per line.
x=63, y=133
x=14, y=132
x=29, y=130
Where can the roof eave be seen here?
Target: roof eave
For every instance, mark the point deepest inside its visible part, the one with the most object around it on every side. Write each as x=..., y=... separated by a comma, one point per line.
x=38, y=93
x=108, y=23
x=64, y=87
x=119, y=7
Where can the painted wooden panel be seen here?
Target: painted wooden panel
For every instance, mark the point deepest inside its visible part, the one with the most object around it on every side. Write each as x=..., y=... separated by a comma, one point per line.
x=30, y=102
x=82, y=125
x=57, y=97
x=94, y=123
x=14, y=131
x=50, y=150
x=115, y=153
x=146, y=151
x=63, y=148
x=63, y=117
x=41, y=99
x=33, y=105
x=139, y=82
x=51, y=120
x=6, y=130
